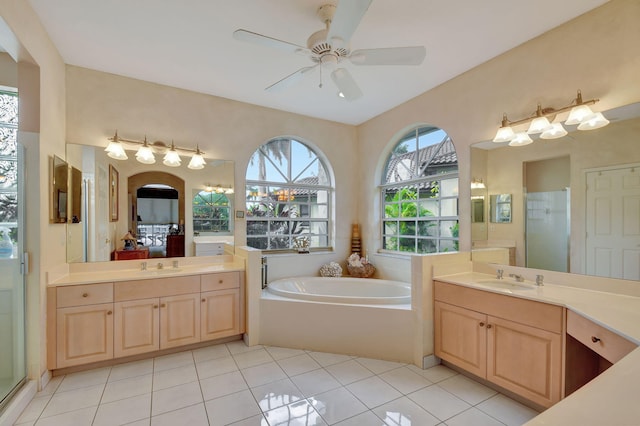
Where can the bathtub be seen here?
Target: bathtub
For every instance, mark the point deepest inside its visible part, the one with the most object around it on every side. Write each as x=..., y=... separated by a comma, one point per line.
x=363, y=291
x=352, y=316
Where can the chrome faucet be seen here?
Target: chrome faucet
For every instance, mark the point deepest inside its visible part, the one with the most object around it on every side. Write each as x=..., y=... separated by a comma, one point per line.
x=539, y=280
x=143, y=266
x=499, y=273
x=518, y=278
x=160, y=265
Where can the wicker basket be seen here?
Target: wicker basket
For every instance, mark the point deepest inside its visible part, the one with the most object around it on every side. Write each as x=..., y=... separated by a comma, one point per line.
x=364, y=271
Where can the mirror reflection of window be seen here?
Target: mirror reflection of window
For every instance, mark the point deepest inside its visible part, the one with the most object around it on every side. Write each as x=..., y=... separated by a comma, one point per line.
x=501, y=208
x=211, y=212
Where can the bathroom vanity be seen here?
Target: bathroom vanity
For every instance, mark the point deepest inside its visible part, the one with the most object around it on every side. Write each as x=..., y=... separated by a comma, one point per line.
x=110, y=315
x=543, y=343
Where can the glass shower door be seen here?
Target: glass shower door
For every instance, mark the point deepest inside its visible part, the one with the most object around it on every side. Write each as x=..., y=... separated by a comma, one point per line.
x=547, y=230
x=12, y=289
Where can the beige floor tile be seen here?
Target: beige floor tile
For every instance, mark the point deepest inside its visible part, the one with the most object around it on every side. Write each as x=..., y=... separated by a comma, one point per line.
x=174, y=377
x=62, y=402
x=82, y=417
x=131, y=369
x=221, y=385
x=439, y=402
x=174, y=398
x=84, y=379
x=214, y=367
x=194, y=415
x=298, y=364
x=405, y=380
x=232, y=408
x=280, y=353
x=466, y=389
x=124, y=411
x=508, y=411
x=349, y=372
x=126, y=388
x=474, y=417
x=373, y=391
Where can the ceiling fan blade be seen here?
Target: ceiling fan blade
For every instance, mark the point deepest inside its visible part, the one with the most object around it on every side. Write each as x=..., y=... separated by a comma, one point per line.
x=346, y=84
x=255, y=38
x=389, y=56
x=346, y=19
x=289, y=80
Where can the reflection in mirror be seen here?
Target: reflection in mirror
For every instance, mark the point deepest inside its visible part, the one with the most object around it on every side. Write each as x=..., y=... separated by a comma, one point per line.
x=101, y=238
x=588, y=169
x=58, y=196
x=500, y=208
x=477, y=209
x=76, y=196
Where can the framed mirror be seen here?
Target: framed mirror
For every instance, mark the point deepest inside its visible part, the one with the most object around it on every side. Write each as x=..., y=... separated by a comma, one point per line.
x=477, y=209
x=500, y=208
x=59, y=193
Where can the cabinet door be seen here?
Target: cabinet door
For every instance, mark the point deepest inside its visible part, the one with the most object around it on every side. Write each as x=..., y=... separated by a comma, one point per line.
x=84, y=334
x=525, y=360
x=461, y=337
x=220, y=314
x=179, y=320
x=136, y=327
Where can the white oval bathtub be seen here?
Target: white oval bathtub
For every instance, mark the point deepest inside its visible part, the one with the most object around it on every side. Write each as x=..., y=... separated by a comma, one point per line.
x=347, y=290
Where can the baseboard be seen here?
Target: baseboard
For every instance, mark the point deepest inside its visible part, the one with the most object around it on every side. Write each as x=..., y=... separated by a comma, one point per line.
x=18, y=403
x=430, y=361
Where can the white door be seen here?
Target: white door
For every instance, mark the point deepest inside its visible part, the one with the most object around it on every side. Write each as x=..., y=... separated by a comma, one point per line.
x=103, y=243
x=613, y=223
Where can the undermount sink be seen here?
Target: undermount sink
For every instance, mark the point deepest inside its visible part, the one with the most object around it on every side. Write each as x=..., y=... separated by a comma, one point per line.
x=505, y=284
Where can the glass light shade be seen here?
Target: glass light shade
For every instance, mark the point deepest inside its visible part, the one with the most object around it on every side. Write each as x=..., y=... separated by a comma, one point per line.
x=556, y=131
x=521, y=139
x=116, y=151
x=171, y=158
x=594, y=121
x=539, y=125
x=477, y=184
x=504, y=134
x=577, y=114
x=145, y=155
x=197, y=162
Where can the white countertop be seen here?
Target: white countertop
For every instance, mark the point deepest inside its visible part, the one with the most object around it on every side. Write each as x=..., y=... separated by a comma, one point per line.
x=610, y=399
x=130, y=270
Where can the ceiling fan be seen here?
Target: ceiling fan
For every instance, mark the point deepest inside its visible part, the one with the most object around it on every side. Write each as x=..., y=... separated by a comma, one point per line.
x=329, y=47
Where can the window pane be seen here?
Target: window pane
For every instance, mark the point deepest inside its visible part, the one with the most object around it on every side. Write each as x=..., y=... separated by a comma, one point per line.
x=319, y=227
x=447, y=228
x=407, y=228
x=390, y=243
x=449, y=207
x=428, y=228
x=429, y=208
x=450, y=187
x=259, y=243
x=409, y=210
x=320, y=211
x=390, y=227
x=257, y=227
x=427, y=246
x=407, y=244
x=448, y=245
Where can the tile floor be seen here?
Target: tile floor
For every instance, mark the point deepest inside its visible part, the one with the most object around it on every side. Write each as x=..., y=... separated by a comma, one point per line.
x=239, y=385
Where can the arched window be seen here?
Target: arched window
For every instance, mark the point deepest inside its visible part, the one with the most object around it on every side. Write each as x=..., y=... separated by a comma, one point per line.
x=288, y=196
x=419, y=192
x=211, y=211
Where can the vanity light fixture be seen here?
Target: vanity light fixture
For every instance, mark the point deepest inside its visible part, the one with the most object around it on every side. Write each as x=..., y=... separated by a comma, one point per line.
x=218, y=189
x=115, y=149
x=197, y=161
x=580, y=114
x=171, y=158
x=145, y=152
x=477, y=184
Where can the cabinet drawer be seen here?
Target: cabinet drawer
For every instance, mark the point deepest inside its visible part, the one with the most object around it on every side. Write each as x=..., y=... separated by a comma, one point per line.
x=160, y=287
x=219, y=281
x=605, y=343
x=86, y=294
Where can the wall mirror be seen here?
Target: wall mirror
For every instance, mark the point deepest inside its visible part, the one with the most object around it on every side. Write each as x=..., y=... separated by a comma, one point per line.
x=500, y=208
x=146, y=207
x=75, y=202
x=569, y=169
x=59, y=193
x=477, y=209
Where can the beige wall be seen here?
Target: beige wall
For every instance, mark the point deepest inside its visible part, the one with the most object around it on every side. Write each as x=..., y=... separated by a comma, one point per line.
x=99, y=103
x=597, y=52
x=41, y=84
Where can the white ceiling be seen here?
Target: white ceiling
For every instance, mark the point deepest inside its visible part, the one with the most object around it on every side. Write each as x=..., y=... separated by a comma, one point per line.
x=189, y=44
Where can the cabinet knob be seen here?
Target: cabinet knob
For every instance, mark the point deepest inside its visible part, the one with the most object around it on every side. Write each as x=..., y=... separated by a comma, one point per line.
x=220, y=281
x=204, y=300
x=481, y=324
x=85, y=294
x=109, y=312
x=164, y=305
x=595, y=339
x=488, y=326
x=155, y=306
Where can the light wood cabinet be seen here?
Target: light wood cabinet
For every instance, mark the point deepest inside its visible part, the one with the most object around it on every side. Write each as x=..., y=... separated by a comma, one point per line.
x=514, y=343
x=84, y=334
x=220, y=314
x=97, y=322
x=136, y=327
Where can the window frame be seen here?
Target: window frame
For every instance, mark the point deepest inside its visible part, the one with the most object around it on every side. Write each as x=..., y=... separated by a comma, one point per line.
x=280, y=197
x=421, y=188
